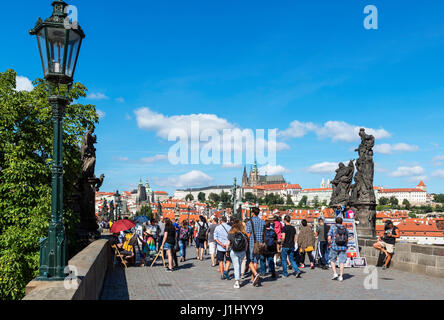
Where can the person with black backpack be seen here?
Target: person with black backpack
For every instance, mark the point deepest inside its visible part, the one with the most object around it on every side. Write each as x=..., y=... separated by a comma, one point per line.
x=237, y=241
x=201, y=236
x=337, y=240
x=184, y=234
x=270, y=237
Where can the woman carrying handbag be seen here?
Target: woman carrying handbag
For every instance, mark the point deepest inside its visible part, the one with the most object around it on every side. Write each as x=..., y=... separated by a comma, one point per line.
x=306, y=243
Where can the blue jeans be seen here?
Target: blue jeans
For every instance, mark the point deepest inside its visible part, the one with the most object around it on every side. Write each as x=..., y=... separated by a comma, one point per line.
x=236, y=259
x=183, y=248
x=288, y=252
x=270, y=262
x=323, y=246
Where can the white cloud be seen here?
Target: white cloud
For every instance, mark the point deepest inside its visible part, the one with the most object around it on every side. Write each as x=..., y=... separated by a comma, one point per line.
x=101, y=114
x=324, y=167
x=439, y=158
x=378, y=168
x=97, y=96
x=231, y=165
x=298, y=129
x=415, y=171
x=342, y=131
x=23, y=84
x=128, y=117
x=157, y=157
x=123, y=159
x=438, y=174
x=120, y=99
x=334, y=130
x=193, y=178
x=162, y=125
x=386, y=148
x=273, y=170
x=204, y=126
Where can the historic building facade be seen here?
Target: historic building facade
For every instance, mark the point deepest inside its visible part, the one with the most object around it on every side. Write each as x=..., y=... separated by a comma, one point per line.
x=255, y=179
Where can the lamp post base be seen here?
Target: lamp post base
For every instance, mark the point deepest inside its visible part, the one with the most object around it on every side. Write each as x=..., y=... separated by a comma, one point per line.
x=53, y=254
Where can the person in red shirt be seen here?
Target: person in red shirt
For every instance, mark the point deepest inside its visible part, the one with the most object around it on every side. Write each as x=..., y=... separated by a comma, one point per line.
x=278, y=230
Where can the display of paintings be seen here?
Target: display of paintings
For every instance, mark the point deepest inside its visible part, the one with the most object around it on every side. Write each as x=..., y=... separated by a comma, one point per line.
x=352, y=247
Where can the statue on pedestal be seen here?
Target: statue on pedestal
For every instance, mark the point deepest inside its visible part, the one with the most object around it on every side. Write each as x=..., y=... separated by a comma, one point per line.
x=89, y=185
x=362, y=197
x=341, y=184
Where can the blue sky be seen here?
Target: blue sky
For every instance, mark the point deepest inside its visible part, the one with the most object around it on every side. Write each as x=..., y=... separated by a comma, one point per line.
x=307, y=68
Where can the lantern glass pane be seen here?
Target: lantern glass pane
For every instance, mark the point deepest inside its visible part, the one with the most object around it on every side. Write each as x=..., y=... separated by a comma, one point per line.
x=56, y=43
x=41, y=42
x=73, y=50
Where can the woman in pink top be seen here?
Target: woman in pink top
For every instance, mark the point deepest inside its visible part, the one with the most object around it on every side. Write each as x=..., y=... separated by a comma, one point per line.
x=278, y=230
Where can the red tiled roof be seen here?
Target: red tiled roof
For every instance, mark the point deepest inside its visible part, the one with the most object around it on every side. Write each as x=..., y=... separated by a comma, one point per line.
x=161, y=192
x=400, y=190
x=318, y=189
x=421, y=184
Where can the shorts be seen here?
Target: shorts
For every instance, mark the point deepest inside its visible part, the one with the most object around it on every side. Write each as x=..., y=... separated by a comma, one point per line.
x=199, y=243
x=212, y=247
x=221, y=255
x=253, y=257
x=168, y=246
x=335, y=254
x=387, y=246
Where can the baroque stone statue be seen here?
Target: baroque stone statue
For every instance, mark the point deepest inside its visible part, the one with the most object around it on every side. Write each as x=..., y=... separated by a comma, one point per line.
x=362, y=197
x=341, y=184
x=89, y=185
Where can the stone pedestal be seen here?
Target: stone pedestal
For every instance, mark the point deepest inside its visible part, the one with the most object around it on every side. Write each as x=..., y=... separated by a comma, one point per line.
x=365, y=213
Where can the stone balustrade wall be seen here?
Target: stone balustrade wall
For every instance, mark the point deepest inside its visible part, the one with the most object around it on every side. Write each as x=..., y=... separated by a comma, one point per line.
x=91, y=265
x=423, y=259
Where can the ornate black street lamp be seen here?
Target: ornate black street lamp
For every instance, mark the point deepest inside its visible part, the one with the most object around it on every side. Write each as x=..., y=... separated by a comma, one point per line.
x=59, y=45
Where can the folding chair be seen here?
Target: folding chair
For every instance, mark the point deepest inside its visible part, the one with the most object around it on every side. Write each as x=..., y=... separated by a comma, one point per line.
x=117, y=256
x=160, y=253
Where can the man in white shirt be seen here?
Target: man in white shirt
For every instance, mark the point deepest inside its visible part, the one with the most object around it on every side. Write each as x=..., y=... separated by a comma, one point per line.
x=223, y=254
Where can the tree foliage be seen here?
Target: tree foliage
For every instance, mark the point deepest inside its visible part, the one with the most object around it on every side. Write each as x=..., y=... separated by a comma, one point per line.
x=201, y=197
x=189, y=197
x=145, y=210
x=303, y=202
x=214, y=197
x=26, y=132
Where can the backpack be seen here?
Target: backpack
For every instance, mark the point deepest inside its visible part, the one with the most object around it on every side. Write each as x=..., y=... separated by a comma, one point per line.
x=239, y=242
x=202, y=235
x=341, y=238
x=184, y=234
x=270, y=238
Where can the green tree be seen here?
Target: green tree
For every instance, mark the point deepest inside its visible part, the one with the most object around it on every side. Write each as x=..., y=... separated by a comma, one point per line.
x=316, y=202
x=145, y=210
x=214, y=197
x=289, y=201
x=393, y=201
x=303, y=202
x=201, y=197
x=250, y=197
x=225, y=198
x=383, y=201
x=189, y=197
x=26, y=132
x=406, y=204
x=439, y=198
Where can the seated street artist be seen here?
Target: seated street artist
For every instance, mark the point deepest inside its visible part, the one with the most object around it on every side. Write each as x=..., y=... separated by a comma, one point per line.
x=387, y=243
x=126, y=254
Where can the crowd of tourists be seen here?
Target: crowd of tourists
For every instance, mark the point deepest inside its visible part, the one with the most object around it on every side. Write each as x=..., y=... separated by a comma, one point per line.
x=254, y=247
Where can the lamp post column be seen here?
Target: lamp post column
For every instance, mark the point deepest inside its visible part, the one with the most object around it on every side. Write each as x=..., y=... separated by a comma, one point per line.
x=53, y=248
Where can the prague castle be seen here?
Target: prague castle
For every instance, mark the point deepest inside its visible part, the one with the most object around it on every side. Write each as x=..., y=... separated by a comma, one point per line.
x=255, y=179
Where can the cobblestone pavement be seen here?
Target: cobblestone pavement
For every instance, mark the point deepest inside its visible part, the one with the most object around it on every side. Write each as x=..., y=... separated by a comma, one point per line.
x=197, y=280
